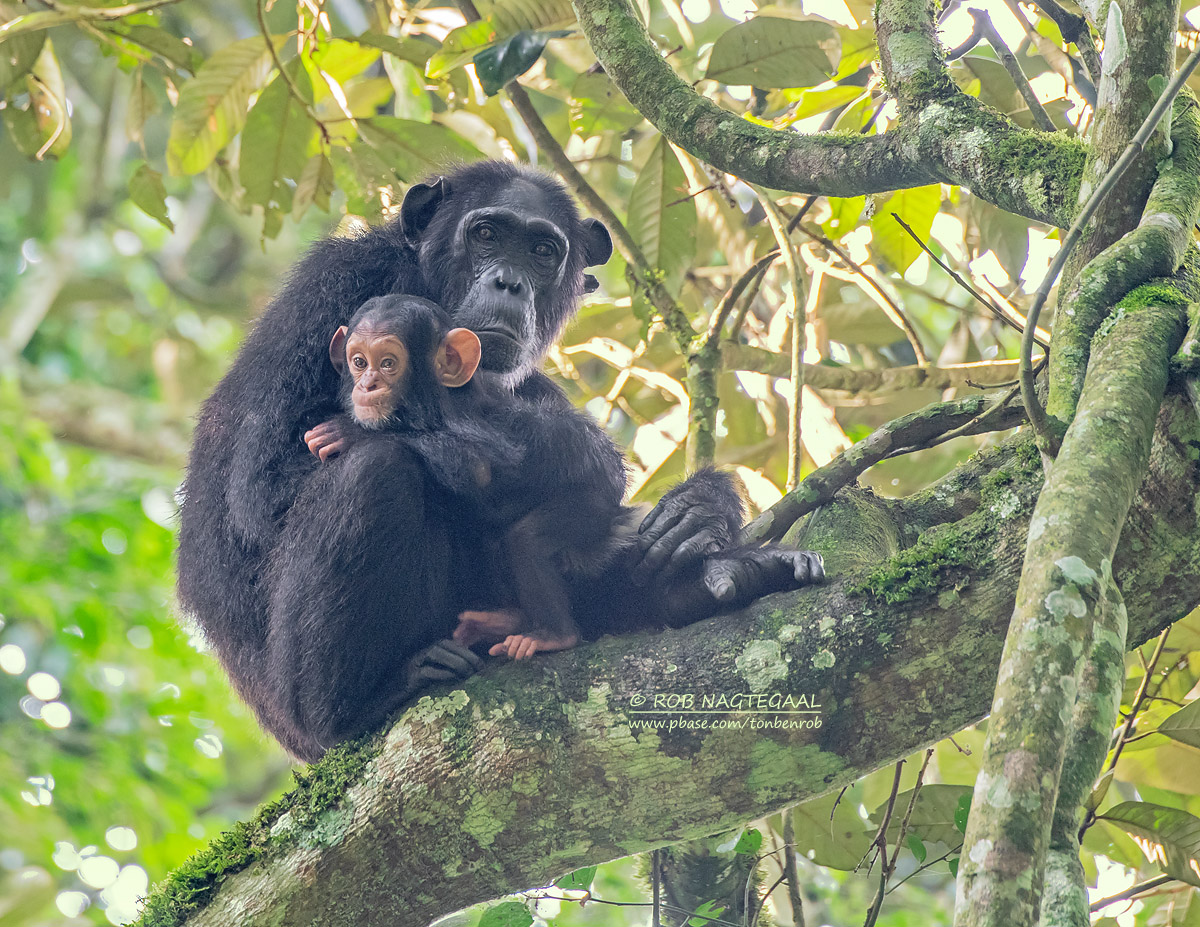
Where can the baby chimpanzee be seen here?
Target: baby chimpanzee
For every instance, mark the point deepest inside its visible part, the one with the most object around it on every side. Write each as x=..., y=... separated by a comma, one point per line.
x=555, y=539
x=499, y=456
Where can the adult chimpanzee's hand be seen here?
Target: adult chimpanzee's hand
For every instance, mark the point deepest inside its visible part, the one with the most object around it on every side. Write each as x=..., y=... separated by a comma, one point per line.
x=445, y=661
x=737, y=577
x=700, y=516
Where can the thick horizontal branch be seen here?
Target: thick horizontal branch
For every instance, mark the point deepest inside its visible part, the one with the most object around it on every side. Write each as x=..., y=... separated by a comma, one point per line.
x=535, y=769
x=832, y=165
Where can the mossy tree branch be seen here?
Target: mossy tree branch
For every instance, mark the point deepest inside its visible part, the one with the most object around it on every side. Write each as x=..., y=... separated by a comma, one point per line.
x=533, y=770
x=944, y=134
x=1059, y=612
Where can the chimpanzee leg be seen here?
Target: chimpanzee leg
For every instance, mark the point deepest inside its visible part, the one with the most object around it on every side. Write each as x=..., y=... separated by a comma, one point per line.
x=363, y=595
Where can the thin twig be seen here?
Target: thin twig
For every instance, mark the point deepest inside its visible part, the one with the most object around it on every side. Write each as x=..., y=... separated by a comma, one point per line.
x=881, y=842
x=799, y=322
x=1037, y=415
x=790, y=870
x=1073, y=72
x=729, y=300
x=656, y=879
x=1130, y=892
x=909, y=432
x=983, y=23
x=1136, y=705
x=891, y=310
x=260, y=9
x=1017, y=324
x=1074, y=29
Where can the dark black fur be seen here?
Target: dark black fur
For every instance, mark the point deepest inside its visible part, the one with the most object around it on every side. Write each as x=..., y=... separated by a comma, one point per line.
x=315, y=676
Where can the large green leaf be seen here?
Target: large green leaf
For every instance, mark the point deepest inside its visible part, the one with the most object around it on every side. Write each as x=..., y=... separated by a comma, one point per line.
x=277, y=139
x=662, y=214
x=933, y=817
x=40, y=125
x=1168, y=836
x=768, y=52
x=1184, y=725
x=413, y=150
x=460, y=46
x=508, y=60
x=213, y=105
x=170, y=48
x=829, y=831
x=314, y=186
x=917, y=207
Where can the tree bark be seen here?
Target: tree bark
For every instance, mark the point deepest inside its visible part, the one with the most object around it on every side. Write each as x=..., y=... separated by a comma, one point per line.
x=530, y=771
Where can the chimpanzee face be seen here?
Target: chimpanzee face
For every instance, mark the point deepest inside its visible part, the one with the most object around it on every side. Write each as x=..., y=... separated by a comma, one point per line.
x=503, y=250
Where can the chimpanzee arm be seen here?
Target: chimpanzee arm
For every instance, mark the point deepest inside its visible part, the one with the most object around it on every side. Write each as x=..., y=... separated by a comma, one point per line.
x=700, y=516
x=282, y=382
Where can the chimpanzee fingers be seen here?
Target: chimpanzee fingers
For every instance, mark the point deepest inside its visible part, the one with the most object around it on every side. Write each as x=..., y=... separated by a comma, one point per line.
x=662, y=518
x=698, y=546
x=721, y=578
x=660, y=552
x=331, y=450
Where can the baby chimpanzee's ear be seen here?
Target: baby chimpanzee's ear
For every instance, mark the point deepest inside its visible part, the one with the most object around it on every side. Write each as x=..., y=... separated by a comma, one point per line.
x=457, y=357
x=337, y=349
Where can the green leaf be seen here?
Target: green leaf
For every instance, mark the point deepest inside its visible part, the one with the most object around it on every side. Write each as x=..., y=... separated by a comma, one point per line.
x=213, y=105
x=749, y=843
x=506, y=914
x=706, y=913
x=962, y=812
x=935, y=816
x=510, y=16
x=362, y=174
x=276, y=140
x=142, y=105
x=149, y=195
x=597, y=105
x=170, y=48
x=662, y=214
x=843, y=214
x=917, y=207
x=314, y=186
x=415, y=149
x=578, y=881
x=1184, y=725
x=41, y=126
x=343, y=60
x=829, y=831
x=509, y=59
x=916, y=847
x=823, y=101
x=1167, y=836
x=17, y=57
x=414, y=50
x=953, y=865
x=768, y=52
x=460, y=46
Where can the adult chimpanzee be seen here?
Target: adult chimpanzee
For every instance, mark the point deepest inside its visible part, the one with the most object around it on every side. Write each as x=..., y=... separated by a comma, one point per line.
x=504, y=250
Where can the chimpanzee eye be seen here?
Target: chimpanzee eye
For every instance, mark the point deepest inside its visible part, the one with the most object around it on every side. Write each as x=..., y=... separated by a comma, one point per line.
x=388, y=364
x=545, y=249
x=359, y=362
x=485, y=232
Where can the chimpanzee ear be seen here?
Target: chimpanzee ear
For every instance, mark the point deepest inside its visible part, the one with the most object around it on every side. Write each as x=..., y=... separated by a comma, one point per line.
x=420, y=203
x=337, y=349
x=458, y=357
x=597, y=244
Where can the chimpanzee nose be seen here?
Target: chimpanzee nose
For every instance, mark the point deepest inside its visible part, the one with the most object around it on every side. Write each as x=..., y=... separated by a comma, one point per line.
x=508, y=279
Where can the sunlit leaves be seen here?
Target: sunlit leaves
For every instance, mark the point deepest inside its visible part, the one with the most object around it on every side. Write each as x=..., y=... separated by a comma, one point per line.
x=277, y=138
x=917, y=207
x=1168, y=836
x=769, y=52
x=597, y=106
x=578, y=881
x=933, y=816
x=415, y=149
x=829, y=831
x=461, y=46
x=149, y=195
x=213, y=105
x=158, y=42
x=662, y=214
x=314, y=186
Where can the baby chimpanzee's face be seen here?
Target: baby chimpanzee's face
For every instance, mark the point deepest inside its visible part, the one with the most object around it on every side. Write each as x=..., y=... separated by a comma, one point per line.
x=379, y=364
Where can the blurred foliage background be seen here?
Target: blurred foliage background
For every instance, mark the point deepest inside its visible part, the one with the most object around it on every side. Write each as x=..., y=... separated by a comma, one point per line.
x=158, y=177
